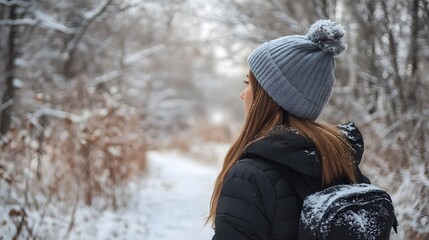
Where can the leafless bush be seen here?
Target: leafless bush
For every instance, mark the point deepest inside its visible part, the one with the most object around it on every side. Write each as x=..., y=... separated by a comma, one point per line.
x=87, y=158
x=105, y=151
x=394, y=163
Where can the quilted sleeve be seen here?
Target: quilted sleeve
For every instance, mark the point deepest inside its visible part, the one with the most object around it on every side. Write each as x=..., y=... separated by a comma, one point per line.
x=241, y=211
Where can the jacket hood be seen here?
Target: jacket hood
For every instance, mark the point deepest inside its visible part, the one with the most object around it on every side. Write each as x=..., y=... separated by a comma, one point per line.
x=284, y=145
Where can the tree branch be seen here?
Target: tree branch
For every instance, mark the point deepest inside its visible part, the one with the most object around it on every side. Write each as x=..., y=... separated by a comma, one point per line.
x=23, y=21
x=5, y=105
x=49, y=22
x=19, y=3
x=41, y=18
x=89, y=17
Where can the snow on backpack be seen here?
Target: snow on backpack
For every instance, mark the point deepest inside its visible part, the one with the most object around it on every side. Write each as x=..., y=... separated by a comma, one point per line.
x=357, y=211
x=351, y=212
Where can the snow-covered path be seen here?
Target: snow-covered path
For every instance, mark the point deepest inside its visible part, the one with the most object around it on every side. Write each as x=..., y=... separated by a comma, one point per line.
x=172, y=203
x=175, y=198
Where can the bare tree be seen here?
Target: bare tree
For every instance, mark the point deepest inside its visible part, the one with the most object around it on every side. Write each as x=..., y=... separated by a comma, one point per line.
x=9, y=74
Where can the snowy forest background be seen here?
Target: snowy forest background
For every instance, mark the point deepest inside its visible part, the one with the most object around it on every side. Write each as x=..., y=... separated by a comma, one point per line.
x=90, y=89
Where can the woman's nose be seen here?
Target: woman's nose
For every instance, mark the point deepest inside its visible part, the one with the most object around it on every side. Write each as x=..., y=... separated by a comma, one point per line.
x=242, y=95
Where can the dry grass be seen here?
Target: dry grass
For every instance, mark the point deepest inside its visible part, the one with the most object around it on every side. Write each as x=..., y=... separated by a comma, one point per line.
x=205, y=142
x=91, y=161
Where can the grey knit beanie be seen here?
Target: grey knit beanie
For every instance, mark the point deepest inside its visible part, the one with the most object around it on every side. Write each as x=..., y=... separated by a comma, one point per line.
x=297, y=71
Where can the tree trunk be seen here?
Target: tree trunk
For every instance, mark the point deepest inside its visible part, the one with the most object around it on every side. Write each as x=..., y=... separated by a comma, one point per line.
x=68, y=70
x=9, y=92
x=413, y=54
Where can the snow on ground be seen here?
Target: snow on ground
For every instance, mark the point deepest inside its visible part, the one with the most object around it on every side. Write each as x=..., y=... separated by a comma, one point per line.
x=172, y=204
x=176, y=198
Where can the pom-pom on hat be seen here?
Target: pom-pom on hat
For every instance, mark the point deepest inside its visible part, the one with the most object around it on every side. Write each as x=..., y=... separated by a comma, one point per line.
x=297, y=71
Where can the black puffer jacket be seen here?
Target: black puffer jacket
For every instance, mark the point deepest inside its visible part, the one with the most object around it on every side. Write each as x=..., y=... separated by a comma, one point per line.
x=256, y=202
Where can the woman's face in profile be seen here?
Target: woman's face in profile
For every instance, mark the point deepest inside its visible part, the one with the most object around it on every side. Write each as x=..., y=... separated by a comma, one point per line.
x=247, y=94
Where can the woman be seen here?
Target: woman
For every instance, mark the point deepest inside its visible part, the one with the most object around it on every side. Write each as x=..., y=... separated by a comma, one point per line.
x=289, y=82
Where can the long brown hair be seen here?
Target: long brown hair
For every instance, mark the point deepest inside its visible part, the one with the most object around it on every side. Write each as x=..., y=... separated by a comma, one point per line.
x=263, y=115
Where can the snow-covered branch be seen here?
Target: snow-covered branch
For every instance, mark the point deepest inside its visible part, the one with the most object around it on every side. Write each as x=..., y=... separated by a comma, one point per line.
x=6, y=104
x=105, y=77
x=424, y=179
x=135, y=57
x=89, y=17
x=23, y=21
x=34, y=117
x=41, y=18
x=10, y=3
x=49, y=22
x=407, y=117
x=91, y=14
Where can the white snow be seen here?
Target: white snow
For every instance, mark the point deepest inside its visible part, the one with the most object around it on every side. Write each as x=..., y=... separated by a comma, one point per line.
x=347, y=130
x=23, y=21
x=96, y=11
x=172, y=203
x=49, y=22
x=362, y=222
x=310, y=153
x=320, y=202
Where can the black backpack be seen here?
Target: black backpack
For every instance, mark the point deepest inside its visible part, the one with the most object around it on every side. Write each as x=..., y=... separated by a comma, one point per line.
x=351, y=212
